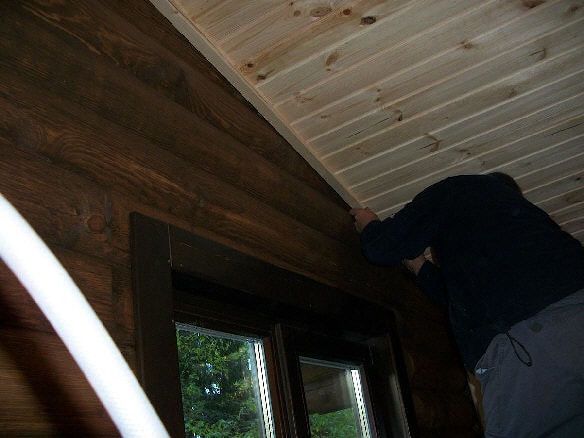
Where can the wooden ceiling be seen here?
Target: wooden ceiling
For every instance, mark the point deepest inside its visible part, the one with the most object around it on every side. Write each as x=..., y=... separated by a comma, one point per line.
x=385, y=97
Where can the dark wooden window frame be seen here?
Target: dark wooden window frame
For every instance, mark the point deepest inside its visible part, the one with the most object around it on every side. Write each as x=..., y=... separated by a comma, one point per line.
x=169, y=263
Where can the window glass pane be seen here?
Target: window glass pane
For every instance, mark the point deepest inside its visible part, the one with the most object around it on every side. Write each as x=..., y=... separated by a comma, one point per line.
x=334, y=399
x=224, y=386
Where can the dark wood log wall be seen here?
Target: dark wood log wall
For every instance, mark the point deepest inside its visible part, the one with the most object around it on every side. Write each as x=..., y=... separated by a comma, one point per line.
x=105, y=109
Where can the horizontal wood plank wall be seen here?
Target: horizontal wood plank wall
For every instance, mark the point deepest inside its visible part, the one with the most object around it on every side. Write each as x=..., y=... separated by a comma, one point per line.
x=104, y=110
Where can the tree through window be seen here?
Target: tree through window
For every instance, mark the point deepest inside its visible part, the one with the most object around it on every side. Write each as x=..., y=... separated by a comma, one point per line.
x=224, y=392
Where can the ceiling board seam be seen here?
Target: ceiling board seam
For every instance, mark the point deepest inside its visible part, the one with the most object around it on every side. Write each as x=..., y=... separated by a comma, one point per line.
x=502, y=165
x=478, y=135
x=404, y=42
x=458, y=98
x=211, y=10
x=568, y=222
x=564, y=178
x=248, y=25
x=540, y=151
x=549, y=166
x=573, y=206
x=367, y=60
x=464, y=96
x=332, y=47
x=563, y=195
x=268, y=50
x=507, y=163
x=421, y=90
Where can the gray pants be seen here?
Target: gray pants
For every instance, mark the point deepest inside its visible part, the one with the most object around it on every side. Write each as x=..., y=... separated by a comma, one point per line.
x=532, y=377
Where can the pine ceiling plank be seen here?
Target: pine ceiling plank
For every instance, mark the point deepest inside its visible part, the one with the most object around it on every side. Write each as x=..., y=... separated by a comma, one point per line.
x=571, y=217
x=265, y=34
x=491, y=50
x=364, y=44
x=426, y=46
x=571, y=183
x=544, y=184
x=488, y=160
x=555, y=186
x=493, y=128
x=575, y=227
x=194, y=9
x=568, y=214
x=520, y=85
x=322, y=33
x=564, y=200
x=533, y=181
x=516, y=159
x=522, y=137
x=448, y=90
x=565, y=154
x=553, y=123
x=234, y=18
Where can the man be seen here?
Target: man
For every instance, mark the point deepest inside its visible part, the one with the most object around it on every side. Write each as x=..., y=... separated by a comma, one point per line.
x=513, y=285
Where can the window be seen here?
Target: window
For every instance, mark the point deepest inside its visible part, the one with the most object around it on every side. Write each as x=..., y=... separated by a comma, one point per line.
x=223, y=384
x=308, y=359
x=335, y=399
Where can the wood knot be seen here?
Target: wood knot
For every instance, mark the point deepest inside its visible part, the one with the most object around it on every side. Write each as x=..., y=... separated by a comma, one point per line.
x=247, y=67
x=96, y=223
x=368, y=20
x=263, y=76
x=334, y=57
x=466, y=44
x=530, y=4
x=347, y=11
x=435, y=145
x=320, y=11
x=541, y=54
x=300, y=98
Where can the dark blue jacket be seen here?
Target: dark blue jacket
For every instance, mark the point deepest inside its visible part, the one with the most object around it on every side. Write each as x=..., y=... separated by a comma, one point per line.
x=502, y=259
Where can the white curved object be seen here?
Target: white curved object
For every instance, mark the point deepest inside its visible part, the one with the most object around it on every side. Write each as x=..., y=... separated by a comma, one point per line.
x=78, y=326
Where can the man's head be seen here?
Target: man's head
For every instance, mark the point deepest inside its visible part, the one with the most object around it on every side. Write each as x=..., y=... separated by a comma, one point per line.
x=507, y=180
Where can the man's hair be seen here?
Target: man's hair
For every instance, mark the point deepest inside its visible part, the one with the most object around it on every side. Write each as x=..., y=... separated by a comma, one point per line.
x=507, y=180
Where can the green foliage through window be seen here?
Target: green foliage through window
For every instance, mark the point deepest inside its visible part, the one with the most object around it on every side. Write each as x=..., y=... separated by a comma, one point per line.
x=219, y=391
x=217, y=383
x=338, y=424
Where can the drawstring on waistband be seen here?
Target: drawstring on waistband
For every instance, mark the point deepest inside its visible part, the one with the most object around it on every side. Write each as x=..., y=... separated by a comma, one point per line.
x=514, y=342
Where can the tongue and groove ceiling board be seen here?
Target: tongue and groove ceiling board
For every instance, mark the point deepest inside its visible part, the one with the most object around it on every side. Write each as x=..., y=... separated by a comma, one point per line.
x=385, y=97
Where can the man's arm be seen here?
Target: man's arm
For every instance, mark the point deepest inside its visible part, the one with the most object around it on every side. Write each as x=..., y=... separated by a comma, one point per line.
x=430, y=279
x=409, y=231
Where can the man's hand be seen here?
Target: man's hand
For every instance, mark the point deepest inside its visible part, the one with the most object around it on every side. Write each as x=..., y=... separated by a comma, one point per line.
x=363, y=216
x=415, y=265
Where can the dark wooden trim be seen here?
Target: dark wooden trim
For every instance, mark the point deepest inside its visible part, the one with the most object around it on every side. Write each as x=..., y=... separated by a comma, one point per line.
x=279, y=287
x=156, y=354
x=295, y=404
x=295, y=343
x=385, y=349
x=183, y=277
